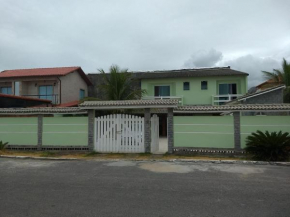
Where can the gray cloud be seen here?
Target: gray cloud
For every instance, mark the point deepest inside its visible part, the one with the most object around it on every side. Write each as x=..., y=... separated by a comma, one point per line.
x=203, y=58
x=139, y=35
x=254, y=66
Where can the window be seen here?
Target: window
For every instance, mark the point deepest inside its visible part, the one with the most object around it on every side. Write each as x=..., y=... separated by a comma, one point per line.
x=225, y=89
x=6, y=90
x=204, y=85
x=186, y=86
x=82, y=93
x=16, y=88
x=162, y=91
x=46, y=92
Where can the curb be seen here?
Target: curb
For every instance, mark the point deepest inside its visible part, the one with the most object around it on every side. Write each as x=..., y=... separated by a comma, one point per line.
x=241, y=162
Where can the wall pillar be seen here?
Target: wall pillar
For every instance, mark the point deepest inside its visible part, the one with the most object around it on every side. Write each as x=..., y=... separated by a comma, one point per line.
x=91, y=129
x=237, y=130
x=39, y=132
x=170, y=132
x=147, y=130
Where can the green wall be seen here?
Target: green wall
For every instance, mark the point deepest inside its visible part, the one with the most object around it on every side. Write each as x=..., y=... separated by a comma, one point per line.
x=251, y=124
x=204, y=131
x=195, y=95
x=19, y=130
x=65, y=131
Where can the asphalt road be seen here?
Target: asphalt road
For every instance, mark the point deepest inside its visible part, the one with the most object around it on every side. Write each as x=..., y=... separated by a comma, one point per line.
x=93, y=188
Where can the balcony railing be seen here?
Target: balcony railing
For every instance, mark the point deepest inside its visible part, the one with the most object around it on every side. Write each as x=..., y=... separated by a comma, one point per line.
x=53, y=97
x=180, y=98
x=222, y=99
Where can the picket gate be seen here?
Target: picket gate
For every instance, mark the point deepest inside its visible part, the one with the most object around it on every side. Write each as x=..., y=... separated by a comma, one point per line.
x=119, y=133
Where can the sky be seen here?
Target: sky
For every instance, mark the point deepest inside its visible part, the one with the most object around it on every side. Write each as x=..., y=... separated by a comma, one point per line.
x=141, y=35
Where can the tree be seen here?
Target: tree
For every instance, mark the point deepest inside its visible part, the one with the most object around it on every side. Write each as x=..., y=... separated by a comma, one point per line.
x=281, y=77
x=119, y=84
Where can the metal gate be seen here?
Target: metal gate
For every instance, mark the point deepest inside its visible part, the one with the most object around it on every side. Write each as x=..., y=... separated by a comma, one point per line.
x=119, y=133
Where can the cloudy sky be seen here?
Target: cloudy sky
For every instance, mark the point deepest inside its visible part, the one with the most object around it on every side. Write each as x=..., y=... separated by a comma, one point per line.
x=248, y=35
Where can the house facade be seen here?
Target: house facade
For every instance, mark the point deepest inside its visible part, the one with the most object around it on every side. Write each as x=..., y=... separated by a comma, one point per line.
x=204, y=86
x=58, y=85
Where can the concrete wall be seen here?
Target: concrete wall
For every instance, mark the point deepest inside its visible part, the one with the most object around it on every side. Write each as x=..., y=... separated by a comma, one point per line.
x=218, y=131
x=65, y=131
x=195, y=95
x=204, y=131
x=19, y=131
x=70, y=87
x=56, y=131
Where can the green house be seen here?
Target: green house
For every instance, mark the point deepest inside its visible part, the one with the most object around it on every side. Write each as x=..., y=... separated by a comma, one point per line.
x=203, y=86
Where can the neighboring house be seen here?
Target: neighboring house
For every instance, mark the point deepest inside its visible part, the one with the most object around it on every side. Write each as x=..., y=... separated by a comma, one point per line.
x=271, y=95
x=58, y=85
x=203, y=86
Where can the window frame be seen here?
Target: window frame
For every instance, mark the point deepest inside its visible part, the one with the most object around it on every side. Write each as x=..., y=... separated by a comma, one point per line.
x=7, y=88
x=184, y=83
x=157, y=86
x=202, y=87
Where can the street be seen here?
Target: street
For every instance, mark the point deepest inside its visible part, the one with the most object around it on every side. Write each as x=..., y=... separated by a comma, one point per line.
x=128, y=188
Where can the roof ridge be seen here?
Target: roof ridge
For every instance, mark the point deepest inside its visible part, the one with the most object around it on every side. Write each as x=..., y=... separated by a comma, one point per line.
x=61, y=67
x=192, y=69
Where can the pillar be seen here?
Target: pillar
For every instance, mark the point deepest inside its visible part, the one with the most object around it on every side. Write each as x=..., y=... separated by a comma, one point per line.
x=147, y=130
x=39, y=132
x=170, y=132
x=237, y=130
x=91, y=129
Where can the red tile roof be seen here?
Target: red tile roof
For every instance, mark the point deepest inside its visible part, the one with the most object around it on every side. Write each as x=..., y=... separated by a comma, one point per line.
x=24, y=97
x=69, y=104
x=59, y=71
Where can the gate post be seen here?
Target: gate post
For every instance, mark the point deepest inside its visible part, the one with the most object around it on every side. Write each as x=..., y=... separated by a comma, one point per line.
x=39, y=132
x=147, y=130
x=91, y=129
x=170, y=130
x=237, y=130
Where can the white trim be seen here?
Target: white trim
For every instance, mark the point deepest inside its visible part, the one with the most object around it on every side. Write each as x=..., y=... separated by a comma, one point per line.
x=262, y=92
x=265, y=125
x=65, y=124
x=18, y=124
x=205, y=125
x=19, y=132
x=65, y=132
x=207, y=133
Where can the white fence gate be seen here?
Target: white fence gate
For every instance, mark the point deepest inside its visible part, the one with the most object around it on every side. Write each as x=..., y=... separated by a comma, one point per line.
x=119, y=133
x=154, y=133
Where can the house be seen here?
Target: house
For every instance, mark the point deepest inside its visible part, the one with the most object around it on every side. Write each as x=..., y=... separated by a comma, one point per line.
x=59, y=85
x=202, y=86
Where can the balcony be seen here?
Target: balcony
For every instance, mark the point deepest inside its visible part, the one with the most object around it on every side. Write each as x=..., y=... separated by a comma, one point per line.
x=222, y=99
x=53, y=97
x=180, y=98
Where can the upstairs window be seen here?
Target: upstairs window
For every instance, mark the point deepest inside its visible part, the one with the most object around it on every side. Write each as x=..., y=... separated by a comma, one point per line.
x=186, y=86
x=82, y=94
x=46, y=92
x=6, y=90
x=204, y=85
x=162, y=90
x=225, y=89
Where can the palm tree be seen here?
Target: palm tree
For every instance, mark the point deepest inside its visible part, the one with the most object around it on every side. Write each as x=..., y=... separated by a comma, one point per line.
x=281, y=77
x=119, y=85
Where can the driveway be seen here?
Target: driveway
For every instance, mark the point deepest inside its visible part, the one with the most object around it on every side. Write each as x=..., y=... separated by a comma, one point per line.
x=126, y=188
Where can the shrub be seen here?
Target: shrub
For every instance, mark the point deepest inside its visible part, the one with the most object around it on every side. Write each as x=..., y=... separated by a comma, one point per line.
x=3, y=145
x=269, y=146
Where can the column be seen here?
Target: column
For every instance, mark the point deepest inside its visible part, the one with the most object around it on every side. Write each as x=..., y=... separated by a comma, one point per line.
x=91, y=129
x=170, y=132
x=237, y=130
x=39, y=132
x=147, y=130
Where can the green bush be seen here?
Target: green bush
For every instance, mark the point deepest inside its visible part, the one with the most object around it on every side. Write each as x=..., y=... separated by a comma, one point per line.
x=3, y=145
x=269, y=146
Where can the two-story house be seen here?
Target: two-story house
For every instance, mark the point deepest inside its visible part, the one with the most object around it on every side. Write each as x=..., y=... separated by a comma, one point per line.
x=59, y=85
x=204, y=86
